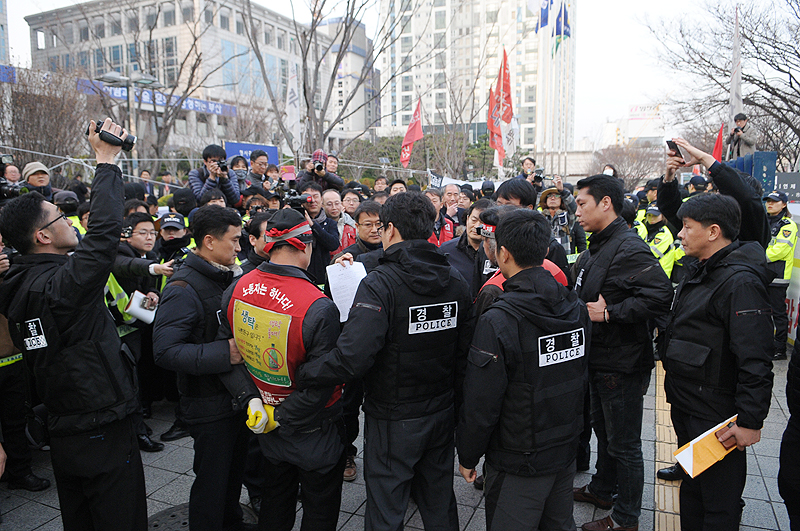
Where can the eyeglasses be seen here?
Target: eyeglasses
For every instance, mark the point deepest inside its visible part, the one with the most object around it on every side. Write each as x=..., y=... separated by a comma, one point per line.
x=370, y=226
x=262, y=164
x=257, y=208
x=62, y=216
x=146, y=233
x=351, y=200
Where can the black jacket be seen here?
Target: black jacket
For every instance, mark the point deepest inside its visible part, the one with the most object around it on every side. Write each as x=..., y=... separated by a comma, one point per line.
x=80, y=371
x=408, y=332
x=253, y=261
x=133, y=272
x=620, y=266
x=327, y=182
x=326, y=240
x=754, y=227
x=793, y=382
x=462, y=256
x=525, y=379
x=185, y=328
x=719, y=338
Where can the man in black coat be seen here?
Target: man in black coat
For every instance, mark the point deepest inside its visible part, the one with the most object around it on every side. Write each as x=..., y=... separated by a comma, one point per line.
x=212, y=396
x=319, y=175
x=623, y=286
x=529, y=347
x=464, y=252
x=58, y=318
x=326, y=232
x=717, y=354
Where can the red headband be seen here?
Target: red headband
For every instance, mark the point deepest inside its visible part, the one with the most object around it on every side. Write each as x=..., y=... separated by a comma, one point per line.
x=275, y=235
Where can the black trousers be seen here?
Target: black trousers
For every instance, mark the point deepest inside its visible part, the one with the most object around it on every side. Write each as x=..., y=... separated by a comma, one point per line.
x=13, y=413
x=253, y=477
x=220, y=448
x=352, y=398
x=100, y=479
x=711, y=501
x=789, y=473
x=780, y=319
x=410, y=457
x=321, y=495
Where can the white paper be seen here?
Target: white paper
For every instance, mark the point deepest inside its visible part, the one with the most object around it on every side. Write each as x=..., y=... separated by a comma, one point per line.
x=135, y=309
x=343, y=283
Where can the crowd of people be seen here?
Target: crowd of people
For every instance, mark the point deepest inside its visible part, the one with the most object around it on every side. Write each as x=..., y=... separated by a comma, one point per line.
x=503, y=324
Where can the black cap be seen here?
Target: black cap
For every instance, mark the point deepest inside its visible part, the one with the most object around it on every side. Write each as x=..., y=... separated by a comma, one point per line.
x=287, y=227
x=172, y=219
x=777, y=196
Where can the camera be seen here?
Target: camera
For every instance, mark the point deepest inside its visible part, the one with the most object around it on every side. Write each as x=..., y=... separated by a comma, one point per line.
x=290, y=196
x=223, y=166
x=9, y=190
x=112, y=139
x=538, y=175
x=318, y=166
x=737, y=129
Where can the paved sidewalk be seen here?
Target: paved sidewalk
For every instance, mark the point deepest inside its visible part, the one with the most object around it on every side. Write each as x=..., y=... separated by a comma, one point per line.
x=169, y=476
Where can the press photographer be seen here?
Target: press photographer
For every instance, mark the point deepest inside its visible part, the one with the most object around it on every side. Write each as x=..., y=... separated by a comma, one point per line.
x=58, y=318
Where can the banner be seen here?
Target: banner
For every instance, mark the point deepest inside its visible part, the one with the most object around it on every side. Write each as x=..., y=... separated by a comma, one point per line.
x=413, y=134
x=293, y=107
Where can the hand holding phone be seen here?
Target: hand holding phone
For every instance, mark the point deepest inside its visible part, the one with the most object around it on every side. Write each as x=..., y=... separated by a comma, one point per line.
x=672, y=146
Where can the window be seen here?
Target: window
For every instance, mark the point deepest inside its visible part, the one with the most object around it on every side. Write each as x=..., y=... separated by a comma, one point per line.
x=99, y=27
x=133, y=57
x=170, y=51
x=221, y=126
x=268, y=35
x=40, y=40
x=441, y=100
x=284, y=75
x=53, y=63
x=180, y=126
x=240, y=27
x=405, y=24
x=406, y=119
x=187, y=12
x=53, y=38
x=115, y=57
x=66, y=32
x=530, y=94
x=405, y=5
x=406, y=44
x=407, y=102
x=202, y=125
x=83, y=32
x=441, y=58
x=408, y=84
x=491, y=17
x=439, y=40
x=66, y=62
x=225, y=19
x=439, y=81
x=83, y=61
x=116, y=24
x=133, y=23
x=99, y=62
x=441, y=20
x=438, y=3
x=228, y=66
x=169, y=14
x=151, y=56
x=208, y=13
x=281, y=39
x=151, y=18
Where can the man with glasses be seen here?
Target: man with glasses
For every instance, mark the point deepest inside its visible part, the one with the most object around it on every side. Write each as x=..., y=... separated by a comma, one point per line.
x=81, y=373
x=259, y=161
x=210, y=176
x=332, y=204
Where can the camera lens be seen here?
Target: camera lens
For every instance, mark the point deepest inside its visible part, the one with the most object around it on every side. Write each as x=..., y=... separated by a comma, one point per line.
x=318, y=166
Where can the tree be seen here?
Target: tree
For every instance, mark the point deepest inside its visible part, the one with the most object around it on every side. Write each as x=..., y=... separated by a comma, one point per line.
x=634, y=163
x=700, y=49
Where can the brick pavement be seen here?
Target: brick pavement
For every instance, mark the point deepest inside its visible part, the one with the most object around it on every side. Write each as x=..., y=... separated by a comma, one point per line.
x=168, y=477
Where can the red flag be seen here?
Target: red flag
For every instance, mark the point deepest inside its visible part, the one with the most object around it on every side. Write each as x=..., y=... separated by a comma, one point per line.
x=493, y=124
x=503, y=94
x=413, y=134
x=717, y=153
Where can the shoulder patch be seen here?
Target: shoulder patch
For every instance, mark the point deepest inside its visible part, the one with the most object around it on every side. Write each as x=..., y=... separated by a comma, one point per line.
x=787, y=233
x=558, y=348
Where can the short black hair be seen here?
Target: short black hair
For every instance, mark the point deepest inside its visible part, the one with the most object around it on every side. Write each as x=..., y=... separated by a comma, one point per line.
x=254, y=228
x=411, y=213
x=214, y=150
x=136, y=218
x=480, y=204
x=213, y=220
x=367, y=207
x=378, y=195
x=381, y=178
x=211, y=195
x=353, y=191
x=398, y=181
x=83, y=208
x=526, y=236
x=602, y=185
x=235, y=160
x=709, y=209
x=20, y=218
x=519, y=189
x=311, y=185
x=131, y=205
x=435, y=191
x=272, y=167
x=258, y=153
x=628, y=211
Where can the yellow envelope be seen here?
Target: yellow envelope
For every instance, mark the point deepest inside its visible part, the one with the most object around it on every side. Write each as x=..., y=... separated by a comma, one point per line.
x=700, y=453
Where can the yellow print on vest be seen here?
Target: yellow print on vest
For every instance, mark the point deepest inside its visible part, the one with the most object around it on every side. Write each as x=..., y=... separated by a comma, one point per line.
x=262, y=337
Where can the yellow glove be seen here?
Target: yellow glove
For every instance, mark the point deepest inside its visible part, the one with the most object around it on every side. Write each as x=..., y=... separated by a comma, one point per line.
x=260, y=417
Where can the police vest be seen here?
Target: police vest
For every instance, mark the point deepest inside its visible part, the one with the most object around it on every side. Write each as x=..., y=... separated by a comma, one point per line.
x=661, y=244
x=266, y=314
x=418, y=360
x=117, y=300
x=76, y=222
x=780, y=251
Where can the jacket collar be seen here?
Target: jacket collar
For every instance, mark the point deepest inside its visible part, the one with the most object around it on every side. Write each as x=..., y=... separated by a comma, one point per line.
x=598, y=239
x=284, y=270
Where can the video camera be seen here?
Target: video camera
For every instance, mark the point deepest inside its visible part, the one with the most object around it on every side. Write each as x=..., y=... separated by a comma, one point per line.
x=538, y=175
x=8, y=190
x=112, y=139
x=290, y=196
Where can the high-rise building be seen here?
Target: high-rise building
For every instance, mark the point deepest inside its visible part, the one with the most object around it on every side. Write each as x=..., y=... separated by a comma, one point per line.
x=5, y=55
x=448, y=53
x=165, y=39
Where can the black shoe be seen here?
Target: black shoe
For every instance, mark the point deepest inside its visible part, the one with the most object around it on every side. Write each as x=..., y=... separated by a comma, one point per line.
x=478, y=483
x=174, y=433
x=29, y=482
x=672, y=473
x=779, y=356
x=146, y=444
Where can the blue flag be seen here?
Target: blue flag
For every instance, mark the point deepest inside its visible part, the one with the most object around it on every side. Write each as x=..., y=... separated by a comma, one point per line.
x=544, y=13
x=562, y=22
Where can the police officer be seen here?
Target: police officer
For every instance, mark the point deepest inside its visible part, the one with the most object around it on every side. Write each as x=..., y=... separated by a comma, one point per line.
x=407, y=331
x=82, y=375
x=780, y=255
x=529, y=347
x=656, y=234
x=276, y=309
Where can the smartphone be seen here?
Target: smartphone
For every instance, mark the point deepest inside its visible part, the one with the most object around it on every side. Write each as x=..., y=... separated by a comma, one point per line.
x=672, y=146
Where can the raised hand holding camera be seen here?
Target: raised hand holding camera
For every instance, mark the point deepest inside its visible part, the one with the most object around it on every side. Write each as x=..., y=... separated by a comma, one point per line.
x=107, y=139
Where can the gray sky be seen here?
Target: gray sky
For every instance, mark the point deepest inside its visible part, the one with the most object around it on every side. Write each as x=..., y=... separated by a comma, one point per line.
x=616, y=68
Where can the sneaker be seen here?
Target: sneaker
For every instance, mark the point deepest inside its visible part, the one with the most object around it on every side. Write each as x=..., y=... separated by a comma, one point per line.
x=350, y=470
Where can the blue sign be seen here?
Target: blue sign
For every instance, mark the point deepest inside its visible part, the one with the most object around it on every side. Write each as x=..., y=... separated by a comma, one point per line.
x=8, y=74
x=238, y=148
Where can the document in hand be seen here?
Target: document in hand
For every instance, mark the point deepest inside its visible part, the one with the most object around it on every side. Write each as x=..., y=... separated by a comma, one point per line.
x=138, y=307
x=343, y=283
x=703, y=451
